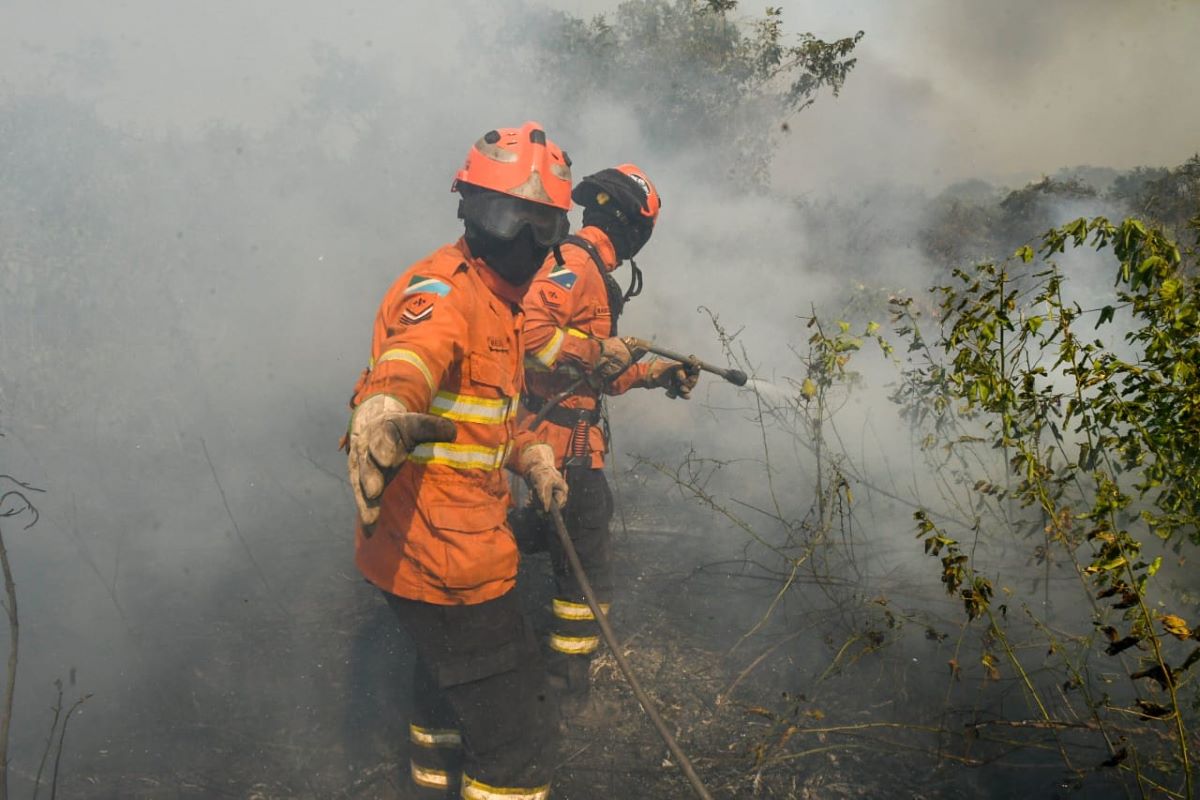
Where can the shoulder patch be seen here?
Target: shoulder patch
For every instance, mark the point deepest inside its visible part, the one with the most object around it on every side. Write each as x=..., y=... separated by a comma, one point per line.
x=420, y=283
x=563, y=277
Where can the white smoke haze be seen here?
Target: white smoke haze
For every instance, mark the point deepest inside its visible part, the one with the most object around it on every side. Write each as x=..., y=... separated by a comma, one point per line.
x=999, y=91
x=202, y=203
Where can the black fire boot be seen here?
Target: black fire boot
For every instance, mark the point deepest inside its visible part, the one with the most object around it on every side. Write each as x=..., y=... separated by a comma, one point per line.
x=579, y=707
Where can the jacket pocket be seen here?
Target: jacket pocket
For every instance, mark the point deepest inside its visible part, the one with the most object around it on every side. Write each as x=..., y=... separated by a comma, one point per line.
x=495, y=373
x=477, y=547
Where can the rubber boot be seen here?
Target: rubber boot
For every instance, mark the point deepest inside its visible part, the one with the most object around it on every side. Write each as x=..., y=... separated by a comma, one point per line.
x=579, y=707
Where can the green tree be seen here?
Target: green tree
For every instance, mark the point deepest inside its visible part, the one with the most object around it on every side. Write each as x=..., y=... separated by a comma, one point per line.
x=692, y=72
x=1170, y=197
x=1104, y=445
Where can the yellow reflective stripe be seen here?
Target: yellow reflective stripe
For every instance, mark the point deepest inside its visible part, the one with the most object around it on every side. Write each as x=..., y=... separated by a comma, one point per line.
x=482, y=402
x=460, y=456
x=574, y=645
x=409, y=357
x=549, y=351
x=466, y=408
x=434, y=737
x=578, y=334
x=428, y=777
x=478, y=790
x=565, y=609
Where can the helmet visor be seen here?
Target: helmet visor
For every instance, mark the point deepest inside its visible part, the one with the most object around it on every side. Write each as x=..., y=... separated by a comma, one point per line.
x=503, y=216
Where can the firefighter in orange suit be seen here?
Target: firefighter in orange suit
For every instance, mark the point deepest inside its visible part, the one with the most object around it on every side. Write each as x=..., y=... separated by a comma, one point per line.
x=433, y=425
x=571, y=313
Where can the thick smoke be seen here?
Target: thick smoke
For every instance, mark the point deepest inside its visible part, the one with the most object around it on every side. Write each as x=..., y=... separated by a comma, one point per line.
x=200, y=206
x=1000, y=91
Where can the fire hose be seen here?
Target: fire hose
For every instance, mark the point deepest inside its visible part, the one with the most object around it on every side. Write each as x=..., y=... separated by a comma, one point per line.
x=641, y=347
x=734, y=376
x=611, y=640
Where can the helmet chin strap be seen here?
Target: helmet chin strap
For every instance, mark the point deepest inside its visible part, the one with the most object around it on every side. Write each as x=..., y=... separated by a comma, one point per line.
x=635, y=281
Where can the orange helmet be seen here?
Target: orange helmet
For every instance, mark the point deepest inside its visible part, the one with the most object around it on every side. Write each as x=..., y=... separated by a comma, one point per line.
x=528, y=179
x=627, y=187
x=649, y=210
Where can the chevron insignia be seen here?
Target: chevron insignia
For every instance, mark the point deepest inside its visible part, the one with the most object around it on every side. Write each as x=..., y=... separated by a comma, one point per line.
x=416, y=310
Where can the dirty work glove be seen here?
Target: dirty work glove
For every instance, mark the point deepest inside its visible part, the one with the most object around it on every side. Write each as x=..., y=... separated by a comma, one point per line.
x=382, y=434
x=613, y=359
x=678, y=379
x=537, y=465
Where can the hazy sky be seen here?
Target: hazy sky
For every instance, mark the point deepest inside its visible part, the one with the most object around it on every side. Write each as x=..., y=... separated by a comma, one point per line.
x=943, y=90
x=984, y=88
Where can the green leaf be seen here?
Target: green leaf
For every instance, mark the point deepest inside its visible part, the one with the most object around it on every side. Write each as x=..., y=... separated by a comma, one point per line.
x=1106, y=566
x=1151, y=264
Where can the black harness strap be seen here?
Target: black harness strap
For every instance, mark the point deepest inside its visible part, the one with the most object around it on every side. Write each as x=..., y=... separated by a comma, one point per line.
x=566, y=417
x=616, y=299
x=578, y=420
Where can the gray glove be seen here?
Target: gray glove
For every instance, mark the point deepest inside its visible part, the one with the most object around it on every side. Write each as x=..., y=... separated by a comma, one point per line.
x=678, y=379
x=613, y=359
x=382, y=434
x=537, y=465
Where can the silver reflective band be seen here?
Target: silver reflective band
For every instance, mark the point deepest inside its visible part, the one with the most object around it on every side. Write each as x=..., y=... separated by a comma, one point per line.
x=475, y=790
x=432, y=778
x=565, y=609
x=574, y=645
x=461, y=456
x=434, y=737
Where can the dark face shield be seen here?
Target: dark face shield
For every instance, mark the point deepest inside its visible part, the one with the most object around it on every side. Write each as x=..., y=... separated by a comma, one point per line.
x=503, y=216
x=516, y=260
x=627, y=237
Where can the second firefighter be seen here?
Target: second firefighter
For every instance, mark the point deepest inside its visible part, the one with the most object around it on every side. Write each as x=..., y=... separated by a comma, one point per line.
x=573, y=359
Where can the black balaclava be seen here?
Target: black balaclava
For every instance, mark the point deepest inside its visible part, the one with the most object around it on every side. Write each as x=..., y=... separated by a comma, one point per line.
x=627, y=238
x=515, y=260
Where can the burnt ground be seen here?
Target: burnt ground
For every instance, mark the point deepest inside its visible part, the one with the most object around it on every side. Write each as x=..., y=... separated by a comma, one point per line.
x=824, y=703
x=841, y=693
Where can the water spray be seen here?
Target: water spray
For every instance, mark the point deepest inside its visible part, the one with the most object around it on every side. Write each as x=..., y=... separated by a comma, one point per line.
x=771, y=392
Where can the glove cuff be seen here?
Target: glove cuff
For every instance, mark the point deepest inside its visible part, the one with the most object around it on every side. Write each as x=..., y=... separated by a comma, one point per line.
x=372, y=408
x=383, y=402
x=535, y=456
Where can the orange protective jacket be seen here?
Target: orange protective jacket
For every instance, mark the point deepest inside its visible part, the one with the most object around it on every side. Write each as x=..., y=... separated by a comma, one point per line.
x=448, y=341
x=566, y=315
